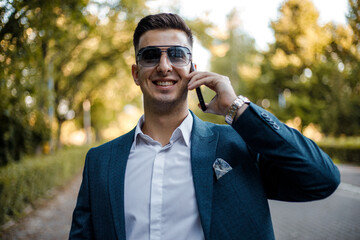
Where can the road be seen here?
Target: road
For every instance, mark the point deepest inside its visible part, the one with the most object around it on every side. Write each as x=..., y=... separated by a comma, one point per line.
x=335, y=218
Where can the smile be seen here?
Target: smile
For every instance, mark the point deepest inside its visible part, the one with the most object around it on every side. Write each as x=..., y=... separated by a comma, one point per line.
x=164, y=83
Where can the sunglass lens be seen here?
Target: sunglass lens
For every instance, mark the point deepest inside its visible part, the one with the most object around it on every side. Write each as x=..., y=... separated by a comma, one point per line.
x=150, y=57
x=178, y=56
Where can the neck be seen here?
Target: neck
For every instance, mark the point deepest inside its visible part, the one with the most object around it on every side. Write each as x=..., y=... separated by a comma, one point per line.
x=160, y=125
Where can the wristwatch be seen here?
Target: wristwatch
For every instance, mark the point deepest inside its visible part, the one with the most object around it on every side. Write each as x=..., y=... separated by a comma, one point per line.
x=238, y=103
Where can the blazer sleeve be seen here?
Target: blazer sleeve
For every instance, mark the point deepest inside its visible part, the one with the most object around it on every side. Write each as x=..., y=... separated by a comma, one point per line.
x=81, y=227
x=292, y=167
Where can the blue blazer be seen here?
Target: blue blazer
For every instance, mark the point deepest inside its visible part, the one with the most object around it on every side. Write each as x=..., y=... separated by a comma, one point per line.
x=269, y=161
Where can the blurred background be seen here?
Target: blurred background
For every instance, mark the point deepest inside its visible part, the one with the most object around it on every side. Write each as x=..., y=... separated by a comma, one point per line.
x=65, y=76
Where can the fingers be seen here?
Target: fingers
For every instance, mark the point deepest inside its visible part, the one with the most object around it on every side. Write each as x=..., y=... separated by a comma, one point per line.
x=205, y=78
x=194, y=77
x=209, y=106
x=208, y=109
x=221, y=85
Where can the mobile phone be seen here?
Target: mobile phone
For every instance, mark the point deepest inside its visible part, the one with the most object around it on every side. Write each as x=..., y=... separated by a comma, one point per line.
x=198, y=91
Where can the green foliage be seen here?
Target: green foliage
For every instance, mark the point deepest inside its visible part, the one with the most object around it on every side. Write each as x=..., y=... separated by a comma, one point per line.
x=234, y=53
x=287, y=67
x=53, y=56
x=26, y=29
x=23, y=182
x=18, y=137
x=312, y=71
x=345, y=150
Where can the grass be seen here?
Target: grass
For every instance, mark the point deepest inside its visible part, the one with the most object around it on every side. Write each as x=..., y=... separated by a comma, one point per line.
x=24, y=182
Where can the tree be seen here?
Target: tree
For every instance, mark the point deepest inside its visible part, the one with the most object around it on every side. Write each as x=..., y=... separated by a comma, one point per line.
x=26, y=29
x=311, y=71
x=57, y=54
x=286, y=81
x=89, y=63
x=234, y=55
x=336, y=82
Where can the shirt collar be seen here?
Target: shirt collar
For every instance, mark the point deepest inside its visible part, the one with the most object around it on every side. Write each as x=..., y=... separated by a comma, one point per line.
x=183, y=130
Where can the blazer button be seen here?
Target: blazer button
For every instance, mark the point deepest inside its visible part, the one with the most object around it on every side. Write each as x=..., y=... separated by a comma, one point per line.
x=264, y=114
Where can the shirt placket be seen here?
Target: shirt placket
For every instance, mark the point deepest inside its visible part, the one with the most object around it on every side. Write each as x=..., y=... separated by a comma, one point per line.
x=156, y=196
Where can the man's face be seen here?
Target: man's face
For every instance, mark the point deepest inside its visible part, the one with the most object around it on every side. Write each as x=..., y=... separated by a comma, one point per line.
x=163, y=84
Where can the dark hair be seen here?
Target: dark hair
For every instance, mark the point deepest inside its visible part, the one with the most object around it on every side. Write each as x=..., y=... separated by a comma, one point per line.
x=161, y=21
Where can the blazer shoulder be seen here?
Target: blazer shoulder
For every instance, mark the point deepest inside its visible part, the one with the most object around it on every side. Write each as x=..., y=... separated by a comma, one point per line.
x=106, y=147
x=221, y=129
x=205, y=125
x=224, y=132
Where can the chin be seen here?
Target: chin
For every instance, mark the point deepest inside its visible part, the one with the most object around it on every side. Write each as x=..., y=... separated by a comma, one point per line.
x=166, y=105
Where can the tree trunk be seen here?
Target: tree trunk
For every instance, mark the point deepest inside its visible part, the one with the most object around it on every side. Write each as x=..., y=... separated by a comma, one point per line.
x=58, y=141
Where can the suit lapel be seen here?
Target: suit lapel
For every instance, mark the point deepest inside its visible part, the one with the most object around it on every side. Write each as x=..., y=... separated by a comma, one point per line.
x=203, y=152
x=119, y=155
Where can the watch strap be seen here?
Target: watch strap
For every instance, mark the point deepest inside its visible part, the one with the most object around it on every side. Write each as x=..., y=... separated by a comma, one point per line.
x=235, y=106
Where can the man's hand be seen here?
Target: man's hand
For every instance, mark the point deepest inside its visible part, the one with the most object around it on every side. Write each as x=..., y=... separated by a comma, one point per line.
x=221, y=85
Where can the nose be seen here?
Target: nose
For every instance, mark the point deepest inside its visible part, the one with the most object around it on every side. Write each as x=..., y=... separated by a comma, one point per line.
x=164, y=63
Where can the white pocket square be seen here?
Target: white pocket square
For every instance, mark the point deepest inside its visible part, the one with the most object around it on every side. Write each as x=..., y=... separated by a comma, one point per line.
x=221, y=167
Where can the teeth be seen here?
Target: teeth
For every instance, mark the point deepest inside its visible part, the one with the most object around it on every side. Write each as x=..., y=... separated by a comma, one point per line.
x=165, y=83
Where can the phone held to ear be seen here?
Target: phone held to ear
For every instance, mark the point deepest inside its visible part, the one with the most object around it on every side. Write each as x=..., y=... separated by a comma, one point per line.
x=198, y=91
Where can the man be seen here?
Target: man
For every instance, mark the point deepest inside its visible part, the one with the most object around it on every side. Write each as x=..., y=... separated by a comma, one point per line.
x=177, y=177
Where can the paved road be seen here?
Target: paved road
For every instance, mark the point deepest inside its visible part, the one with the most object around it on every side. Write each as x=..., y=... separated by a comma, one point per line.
x=335, y=218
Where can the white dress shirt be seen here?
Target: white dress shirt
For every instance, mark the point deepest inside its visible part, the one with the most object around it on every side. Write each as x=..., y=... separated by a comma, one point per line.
x=159, y=193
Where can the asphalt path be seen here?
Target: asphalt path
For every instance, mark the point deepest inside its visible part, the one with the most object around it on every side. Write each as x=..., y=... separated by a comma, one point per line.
x=335, y=218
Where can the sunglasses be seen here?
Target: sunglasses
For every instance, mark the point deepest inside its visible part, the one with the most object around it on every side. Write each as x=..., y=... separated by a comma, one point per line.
x=179, y=56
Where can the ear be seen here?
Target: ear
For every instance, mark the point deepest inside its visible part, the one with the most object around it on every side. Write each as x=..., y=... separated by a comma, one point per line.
x=135, y=74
